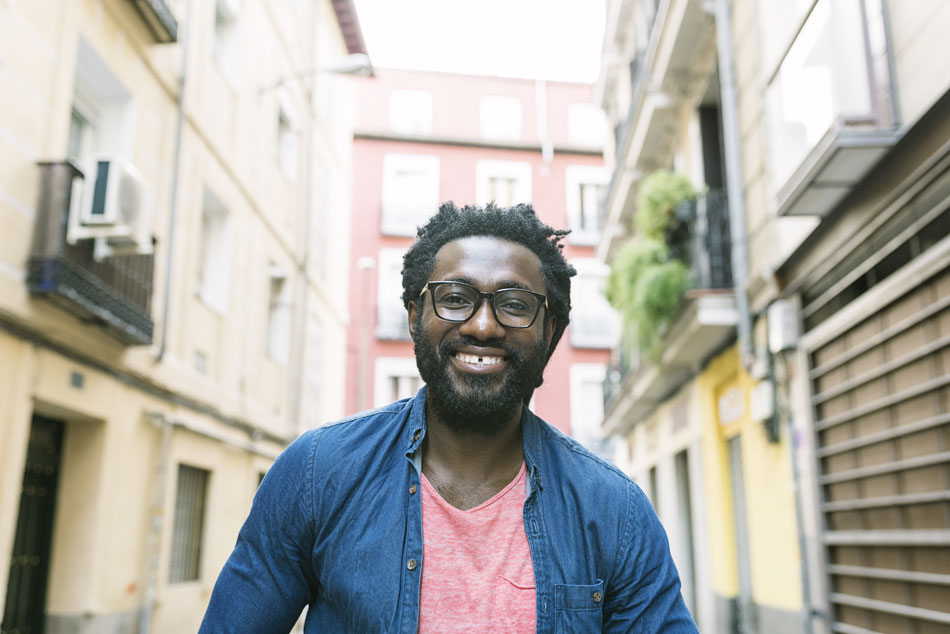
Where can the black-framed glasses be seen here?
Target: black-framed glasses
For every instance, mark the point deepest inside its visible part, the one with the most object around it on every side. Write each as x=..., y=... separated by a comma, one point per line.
x=458, y=301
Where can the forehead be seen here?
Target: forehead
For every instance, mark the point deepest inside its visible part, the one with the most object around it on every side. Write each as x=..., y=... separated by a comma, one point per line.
x=488, y=263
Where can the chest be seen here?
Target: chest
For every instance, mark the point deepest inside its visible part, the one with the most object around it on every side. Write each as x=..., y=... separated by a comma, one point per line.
x=477, y=561
x=369, y=556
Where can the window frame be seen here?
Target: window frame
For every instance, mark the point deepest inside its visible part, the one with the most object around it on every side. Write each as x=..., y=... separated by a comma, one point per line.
x=575, y=177
x=519, y=171
x=185, y=560
x=491, y=112
x=401, y=217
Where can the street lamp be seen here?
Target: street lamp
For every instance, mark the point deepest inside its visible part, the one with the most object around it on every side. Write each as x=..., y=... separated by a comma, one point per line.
x=355, y=64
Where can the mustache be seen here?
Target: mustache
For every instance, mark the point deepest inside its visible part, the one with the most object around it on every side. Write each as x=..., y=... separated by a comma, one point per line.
x=449, y=348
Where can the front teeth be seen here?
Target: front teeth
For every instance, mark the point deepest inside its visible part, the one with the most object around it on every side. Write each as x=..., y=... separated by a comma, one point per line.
x=471, y=358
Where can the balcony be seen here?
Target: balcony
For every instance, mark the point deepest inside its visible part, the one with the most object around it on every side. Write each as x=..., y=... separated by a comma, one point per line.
x=831, y=107
x=114, y=292
x=703, y=324
x=159, y=19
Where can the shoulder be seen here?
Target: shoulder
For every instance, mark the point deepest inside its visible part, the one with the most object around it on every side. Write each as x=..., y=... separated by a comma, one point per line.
x=362, y=429
x=567, y=452
x=599, y=482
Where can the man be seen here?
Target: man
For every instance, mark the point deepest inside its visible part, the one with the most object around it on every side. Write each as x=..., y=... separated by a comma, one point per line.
x=457, y=510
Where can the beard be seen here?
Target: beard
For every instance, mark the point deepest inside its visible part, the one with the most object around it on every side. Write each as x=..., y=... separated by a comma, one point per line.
x=477, y=404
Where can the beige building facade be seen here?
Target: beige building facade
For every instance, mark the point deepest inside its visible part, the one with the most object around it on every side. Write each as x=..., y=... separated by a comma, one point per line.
x=174, y=196
x=793, y=431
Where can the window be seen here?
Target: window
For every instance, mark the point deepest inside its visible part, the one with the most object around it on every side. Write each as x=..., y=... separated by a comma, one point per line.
x=586, y=125
x=410, y=192
x=594, y=324
x=227, y=40
x=828, y=75
x=501, y=189
x=505, y=182
x=101, y=121
x=585, y=186
x=500, y=118
x=410, y=111
x=288, y=138
x=391, y=319
x=654, y=490
x=587, y=406
x=82, y=132
x=188, y=527
x=214, y=260
x=395, y=379
x=278, y=315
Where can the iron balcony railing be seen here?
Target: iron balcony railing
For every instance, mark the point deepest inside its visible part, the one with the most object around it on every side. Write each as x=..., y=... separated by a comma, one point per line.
x=115, y=292
x=699, y=236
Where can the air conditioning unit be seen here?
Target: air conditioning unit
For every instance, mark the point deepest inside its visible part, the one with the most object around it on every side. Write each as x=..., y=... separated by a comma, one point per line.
x=228, y=10
x=113, y=208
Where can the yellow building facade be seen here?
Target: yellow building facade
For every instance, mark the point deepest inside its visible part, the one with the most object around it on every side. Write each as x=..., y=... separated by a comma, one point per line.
x=792, y=429
x=174, y=193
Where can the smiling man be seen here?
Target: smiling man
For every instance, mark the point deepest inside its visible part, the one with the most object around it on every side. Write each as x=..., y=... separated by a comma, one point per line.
x=457, y=510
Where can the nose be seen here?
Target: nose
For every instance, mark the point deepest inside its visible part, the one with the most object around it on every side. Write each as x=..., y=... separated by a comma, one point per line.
x=483, y=325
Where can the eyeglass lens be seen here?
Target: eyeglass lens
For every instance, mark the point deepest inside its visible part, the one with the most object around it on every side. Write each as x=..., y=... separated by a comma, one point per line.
x=458, y=302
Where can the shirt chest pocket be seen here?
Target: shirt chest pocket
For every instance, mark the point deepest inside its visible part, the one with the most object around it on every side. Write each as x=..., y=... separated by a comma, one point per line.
x=578, y=609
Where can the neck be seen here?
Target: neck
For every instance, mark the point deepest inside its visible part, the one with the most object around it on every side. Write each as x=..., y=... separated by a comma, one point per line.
x=448, y=452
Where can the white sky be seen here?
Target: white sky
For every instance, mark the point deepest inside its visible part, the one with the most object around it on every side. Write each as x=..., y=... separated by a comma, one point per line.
x=535, y=39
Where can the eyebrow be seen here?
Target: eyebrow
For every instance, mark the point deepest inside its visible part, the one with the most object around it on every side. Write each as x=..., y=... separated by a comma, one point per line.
x=502, y=284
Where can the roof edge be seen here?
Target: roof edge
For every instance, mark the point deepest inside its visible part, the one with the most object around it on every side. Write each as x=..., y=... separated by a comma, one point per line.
x=349, y=22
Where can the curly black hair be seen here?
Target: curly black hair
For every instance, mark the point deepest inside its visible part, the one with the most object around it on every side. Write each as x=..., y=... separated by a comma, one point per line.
x=517, y=224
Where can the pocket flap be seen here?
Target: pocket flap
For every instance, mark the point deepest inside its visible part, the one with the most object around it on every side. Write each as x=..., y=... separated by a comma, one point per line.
x=584, y=597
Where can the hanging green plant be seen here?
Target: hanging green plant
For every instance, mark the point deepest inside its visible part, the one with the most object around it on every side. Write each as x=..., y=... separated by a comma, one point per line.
x=646, y=283
x=658, y=195
x=657, y=295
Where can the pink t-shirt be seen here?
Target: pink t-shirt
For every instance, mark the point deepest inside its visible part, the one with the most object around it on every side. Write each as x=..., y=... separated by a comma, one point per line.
x=476, y=565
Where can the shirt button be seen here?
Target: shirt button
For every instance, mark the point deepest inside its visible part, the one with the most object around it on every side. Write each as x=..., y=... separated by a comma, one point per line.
x=411, y=564
x=412, y=489
x=597, y=597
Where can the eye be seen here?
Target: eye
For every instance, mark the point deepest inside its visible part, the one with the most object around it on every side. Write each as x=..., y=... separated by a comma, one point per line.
x=514, y=305
x=455, y=300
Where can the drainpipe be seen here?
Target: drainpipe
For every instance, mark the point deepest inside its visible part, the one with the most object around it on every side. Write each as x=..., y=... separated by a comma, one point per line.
x=156, y=522
x=731, y=150
x=740, y=265
x=176, y=173
x=300, y=341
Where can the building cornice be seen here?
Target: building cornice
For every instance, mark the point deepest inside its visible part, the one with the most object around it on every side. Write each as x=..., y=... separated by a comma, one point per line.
x=475, y=143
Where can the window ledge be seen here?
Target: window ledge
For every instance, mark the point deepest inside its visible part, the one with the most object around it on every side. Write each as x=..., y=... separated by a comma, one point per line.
x=159, y=19
x=833, y=167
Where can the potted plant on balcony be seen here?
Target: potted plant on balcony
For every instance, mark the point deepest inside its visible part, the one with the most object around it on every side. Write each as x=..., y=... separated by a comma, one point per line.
x=646, y=282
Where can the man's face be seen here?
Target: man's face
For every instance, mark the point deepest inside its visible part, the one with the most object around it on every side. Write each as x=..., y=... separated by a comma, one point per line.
x=478, y=372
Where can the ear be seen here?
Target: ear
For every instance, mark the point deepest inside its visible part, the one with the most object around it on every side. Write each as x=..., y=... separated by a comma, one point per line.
x=413, y=311
x=550, y=325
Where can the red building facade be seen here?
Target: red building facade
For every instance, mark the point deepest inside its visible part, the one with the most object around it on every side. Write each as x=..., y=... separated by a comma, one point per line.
x=424, y=138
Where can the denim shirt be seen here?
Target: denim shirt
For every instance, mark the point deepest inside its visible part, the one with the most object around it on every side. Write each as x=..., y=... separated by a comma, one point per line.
x=336, y=525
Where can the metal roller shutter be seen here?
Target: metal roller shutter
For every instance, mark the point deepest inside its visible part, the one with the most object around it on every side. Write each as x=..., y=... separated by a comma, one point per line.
x=880, y=383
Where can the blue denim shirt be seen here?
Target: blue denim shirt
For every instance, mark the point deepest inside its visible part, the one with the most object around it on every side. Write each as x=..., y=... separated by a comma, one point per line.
x=337, y=526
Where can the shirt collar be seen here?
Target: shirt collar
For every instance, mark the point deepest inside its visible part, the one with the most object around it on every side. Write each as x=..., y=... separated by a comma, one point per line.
x=530, y=438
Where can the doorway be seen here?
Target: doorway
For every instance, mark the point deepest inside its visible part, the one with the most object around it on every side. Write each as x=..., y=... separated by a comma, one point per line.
x=25, y=605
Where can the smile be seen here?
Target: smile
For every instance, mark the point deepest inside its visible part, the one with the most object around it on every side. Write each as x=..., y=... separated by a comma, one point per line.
x=478, y=360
